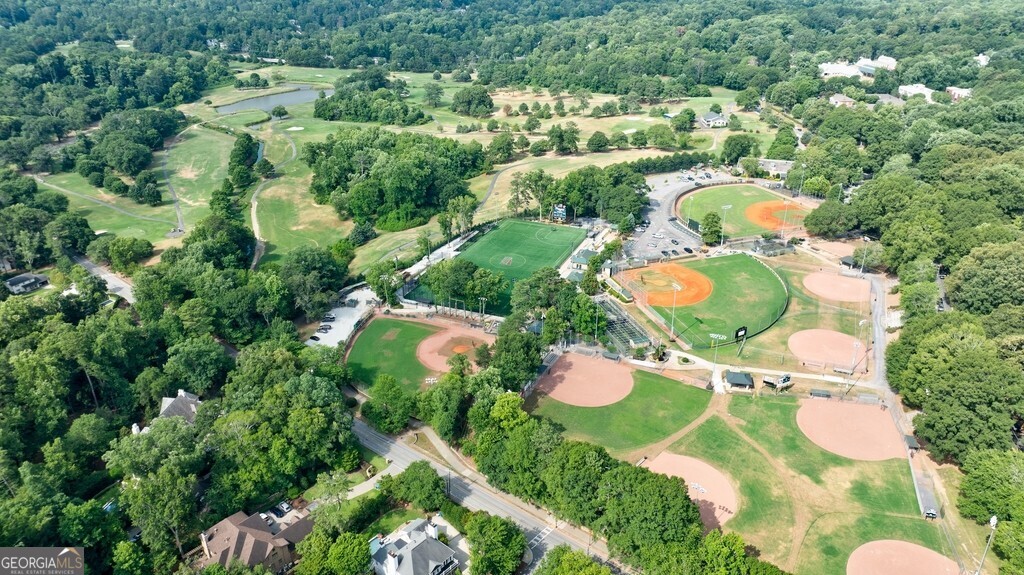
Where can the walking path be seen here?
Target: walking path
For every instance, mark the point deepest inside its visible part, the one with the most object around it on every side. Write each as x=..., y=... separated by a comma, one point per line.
x=167, y=177
x=261, y=244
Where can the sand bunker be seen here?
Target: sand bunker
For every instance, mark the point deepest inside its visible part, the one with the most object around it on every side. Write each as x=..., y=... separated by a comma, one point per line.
x=294, y=129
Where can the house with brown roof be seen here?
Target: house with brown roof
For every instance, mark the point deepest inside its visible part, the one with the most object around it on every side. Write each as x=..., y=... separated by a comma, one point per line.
x=255, y=540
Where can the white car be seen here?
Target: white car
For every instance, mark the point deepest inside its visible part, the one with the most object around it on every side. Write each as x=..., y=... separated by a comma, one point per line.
x=266, y=518
x=652, y=245
x=283, y=506
x=659, y=236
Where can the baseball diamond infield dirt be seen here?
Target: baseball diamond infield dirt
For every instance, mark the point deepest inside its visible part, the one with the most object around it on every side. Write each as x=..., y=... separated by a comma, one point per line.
x=837, y=287
x=891, y=557
x=709, y=488
x=658, y=279
x=434, y=351
x=774, y=214
x=824, y=347
x=854, y=430
x=586, y=381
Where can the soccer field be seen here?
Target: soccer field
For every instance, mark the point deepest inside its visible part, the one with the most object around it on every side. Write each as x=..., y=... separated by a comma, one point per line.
x=517, y=249
x=754, y=210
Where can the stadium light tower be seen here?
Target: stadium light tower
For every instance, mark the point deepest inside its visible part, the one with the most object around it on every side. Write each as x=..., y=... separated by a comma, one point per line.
x=993, y=522
x=785, y=220
x=724, y=208
x=672, y=328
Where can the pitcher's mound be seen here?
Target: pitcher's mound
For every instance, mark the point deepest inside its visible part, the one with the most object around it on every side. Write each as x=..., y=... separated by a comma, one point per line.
x=586, y=381
x=853, y=430
x=891, y=557
x=836, y=287
x=709, y=488
x=826, y=349
x=434, y=351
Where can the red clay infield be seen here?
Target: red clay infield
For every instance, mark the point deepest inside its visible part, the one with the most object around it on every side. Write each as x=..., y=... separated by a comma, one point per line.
x=586, y=381
x=826, y=348
x=774, y=214
x=854, y=430
x=836, y=287
x=434, y=351
x=657, y=281
x=890, y=557
x=709, y=488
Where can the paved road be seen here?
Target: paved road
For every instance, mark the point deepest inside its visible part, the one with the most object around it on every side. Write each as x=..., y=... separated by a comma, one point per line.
x=537, y=525
x=115, y=283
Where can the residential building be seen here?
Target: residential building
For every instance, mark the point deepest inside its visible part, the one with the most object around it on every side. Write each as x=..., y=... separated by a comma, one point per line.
x=184, y=405
x=413, y=550
x=713, y=120
x=843, y=100
x=252, y=541
x=911, y=90
x=26, y=283
x=889, y=100
x=869, y=68
x=958, y=93
x=838, y=70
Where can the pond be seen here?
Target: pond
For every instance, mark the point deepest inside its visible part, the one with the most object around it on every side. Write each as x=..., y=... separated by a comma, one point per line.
x=302, y=94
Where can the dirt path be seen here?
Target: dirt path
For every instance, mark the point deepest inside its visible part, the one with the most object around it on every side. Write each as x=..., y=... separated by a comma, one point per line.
x=100, y=202
x=717, y=404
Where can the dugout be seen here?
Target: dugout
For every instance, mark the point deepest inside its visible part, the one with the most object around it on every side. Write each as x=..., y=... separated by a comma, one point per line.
x=739, y=380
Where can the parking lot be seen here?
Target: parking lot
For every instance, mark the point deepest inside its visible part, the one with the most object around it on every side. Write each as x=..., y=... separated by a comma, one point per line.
x=663, y=237
x=345, y=318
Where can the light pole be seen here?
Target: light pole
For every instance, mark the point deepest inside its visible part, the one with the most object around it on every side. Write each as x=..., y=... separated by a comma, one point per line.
x=856, y=344
x=803, y=176
x=724, y=208
x=672, y=328
x=785, y=220
x=991, y=523
x=483, y=303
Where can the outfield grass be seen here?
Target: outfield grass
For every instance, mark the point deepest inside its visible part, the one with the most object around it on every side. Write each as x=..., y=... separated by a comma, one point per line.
x=745, y=294
x=834, y=536
x=656, y=408
x=765, y=515
x=388, y=346
x=739, y=196
x=517, y=249
x=289, y=218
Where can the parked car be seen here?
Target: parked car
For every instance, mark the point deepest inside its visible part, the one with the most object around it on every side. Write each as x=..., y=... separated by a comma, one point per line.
x=283, y=506
x=675, y=253
x=314, y=338
x=688, y=250
x=675, y=242
x=329, y=317
x=276, y=512
x=659, y=236
x=326, y=326
x=672, y=219
x=664, y=253
x=652, y=245
x=266, y=518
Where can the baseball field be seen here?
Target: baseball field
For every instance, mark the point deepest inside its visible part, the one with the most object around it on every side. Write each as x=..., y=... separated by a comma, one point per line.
x=753, y=210
x=516, y=249
x=709, y=299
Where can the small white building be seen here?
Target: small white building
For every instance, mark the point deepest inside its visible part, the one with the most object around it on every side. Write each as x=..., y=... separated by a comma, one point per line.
x=958, y=93
x=982, y=60
x=838, y=70
x=911, y=90
x=712, y=120
x=842, y=100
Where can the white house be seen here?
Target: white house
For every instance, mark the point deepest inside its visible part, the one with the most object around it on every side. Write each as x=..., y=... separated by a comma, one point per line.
x=26, y=283
x=842, y=100
x=838, y=70
x=712, y=120
x=914, y=89
x=413, y=550
x=958, y=93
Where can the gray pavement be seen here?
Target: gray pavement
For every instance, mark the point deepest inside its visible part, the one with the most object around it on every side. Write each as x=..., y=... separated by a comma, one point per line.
x=115, y=283
x=346, y=318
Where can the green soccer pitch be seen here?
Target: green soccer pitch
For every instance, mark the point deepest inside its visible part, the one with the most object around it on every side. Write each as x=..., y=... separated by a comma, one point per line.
x=516, y=249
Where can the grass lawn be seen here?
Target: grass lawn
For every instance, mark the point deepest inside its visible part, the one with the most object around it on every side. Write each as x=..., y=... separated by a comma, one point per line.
x=517, y=249
x=739, y=196
x=656, y=408
x=356, y=477
x=745, y=294
x=389, y=346
x=805, y=311
x=196, y=165
x=392, y=520
x=289, y=218
x=241, y=120
x=833, y=537
x=765, y=514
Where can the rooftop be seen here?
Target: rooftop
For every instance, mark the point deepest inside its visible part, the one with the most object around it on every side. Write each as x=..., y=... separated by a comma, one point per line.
x=184, y=405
